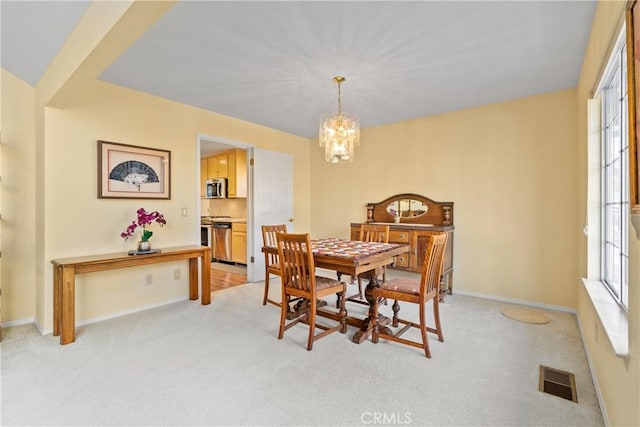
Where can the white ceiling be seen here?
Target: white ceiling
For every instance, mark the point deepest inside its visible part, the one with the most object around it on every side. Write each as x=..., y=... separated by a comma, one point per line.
x=272, y=63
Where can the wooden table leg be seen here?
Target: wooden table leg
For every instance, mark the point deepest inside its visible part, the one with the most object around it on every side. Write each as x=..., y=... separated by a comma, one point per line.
x=68, y=305
x=193, y=278
x=206, y=278
x=57, y=300
x=367, y=324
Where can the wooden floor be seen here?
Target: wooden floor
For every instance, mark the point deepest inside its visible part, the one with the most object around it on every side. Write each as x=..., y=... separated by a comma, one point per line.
x=223, y=279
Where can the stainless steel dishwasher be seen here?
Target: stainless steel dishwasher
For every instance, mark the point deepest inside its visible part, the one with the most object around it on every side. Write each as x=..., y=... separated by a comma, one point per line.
x=222, y=241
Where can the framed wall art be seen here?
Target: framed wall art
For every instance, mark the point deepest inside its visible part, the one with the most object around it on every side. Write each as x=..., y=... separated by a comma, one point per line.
x=633, y=81
x=132, y=172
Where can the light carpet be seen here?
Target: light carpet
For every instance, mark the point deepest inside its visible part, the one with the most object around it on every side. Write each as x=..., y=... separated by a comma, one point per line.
x=188, y=364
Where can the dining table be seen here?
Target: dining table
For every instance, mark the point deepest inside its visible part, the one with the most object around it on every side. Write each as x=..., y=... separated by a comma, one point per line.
x=354, y=258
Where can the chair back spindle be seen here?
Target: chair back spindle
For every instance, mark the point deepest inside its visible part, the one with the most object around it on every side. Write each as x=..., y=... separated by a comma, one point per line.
x=297, y=265
x=432, y=267
x=269, y=233
x=374, y=233
x=271, y=261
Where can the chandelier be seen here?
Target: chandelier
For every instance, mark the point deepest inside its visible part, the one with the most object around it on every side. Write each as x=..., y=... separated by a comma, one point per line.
x=339, y=133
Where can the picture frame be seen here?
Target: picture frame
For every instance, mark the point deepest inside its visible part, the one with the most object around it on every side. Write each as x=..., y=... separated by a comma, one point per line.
x=133, y=172
x=632, y=17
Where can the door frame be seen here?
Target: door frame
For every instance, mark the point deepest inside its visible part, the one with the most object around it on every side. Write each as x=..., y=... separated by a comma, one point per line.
x=200, y=137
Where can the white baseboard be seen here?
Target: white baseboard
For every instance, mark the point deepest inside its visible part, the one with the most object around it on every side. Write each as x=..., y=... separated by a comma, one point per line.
x=516, y=301
x=99, y=318
x=39, y=327
x=128, y=311
x=18, y=322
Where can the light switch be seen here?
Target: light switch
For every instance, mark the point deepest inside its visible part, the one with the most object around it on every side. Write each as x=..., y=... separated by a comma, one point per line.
x=184, y=211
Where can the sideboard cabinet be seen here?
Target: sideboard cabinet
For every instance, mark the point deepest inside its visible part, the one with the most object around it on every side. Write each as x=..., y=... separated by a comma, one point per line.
x=411, y=219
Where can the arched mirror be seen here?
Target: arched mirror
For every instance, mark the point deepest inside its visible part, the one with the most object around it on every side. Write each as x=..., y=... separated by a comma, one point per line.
x=407, y=208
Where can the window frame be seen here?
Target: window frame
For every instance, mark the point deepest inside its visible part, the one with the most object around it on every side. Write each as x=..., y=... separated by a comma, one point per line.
x=614, y=168
x=613, y=318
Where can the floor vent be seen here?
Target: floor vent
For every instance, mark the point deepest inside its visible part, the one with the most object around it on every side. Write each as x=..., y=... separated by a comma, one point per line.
x=559, y=383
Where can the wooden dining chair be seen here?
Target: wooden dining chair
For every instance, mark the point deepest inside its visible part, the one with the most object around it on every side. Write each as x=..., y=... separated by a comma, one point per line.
x=300, y=281
x=271, y=261
x=376, y=233
x=420, y=293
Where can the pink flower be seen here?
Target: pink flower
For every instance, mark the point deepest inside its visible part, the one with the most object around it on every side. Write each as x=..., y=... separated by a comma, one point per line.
x=144, y=218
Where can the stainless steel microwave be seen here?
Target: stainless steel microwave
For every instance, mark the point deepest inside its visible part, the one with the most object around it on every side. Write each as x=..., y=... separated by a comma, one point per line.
x=216, y=188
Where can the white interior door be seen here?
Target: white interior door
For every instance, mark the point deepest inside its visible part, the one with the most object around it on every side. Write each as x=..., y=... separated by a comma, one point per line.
x=271, y=201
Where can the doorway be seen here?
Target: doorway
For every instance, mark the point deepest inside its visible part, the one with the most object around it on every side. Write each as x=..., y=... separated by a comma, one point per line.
x=269, y=199
x=223, y=213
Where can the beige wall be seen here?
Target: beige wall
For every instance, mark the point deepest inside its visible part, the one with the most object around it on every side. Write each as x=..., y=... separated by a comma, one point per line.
x=510, y=169
x=76, y=222
x=18, y=200
x=618, y=379
x=116, y=114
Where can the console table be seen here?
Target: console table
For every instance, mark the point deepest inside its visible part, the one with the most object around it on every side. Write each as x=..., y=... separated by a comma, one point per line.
x=411, y=218
x=65, y=270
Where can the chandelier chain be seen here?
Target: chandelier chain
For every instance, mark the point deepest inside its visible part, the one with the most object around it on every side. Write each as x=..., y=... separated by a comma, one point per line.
x=339, y=100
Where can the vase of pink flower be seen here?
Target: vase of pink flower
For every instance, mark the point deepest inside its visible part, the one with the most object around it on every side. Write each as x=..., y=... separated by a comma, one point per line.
x=144, y=219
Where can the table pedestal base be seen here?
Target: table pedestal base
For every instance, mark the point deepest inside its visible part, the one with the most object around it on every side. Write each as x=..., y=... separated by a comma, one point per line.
x=367, y=326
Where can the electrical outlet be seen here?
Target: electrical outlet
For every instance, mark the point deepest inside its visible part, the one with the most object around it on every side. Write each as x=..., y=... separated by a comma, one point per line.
x=148, y=279
x=176, y=274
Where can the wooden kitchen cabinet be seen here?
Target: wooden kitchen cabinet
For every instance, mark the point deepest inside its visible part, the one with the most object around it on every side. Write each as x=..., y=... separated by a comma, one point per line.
x=417, y=221
x=230, y=164
x=237, y=177
x=239, y=242
x=203, y=177
x=218, y=166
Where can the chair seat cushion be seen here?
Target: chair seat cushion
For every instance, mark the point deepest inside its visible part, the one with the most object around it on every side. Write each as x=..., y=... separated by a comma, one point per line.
x=326, y=282
x=406, y=286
